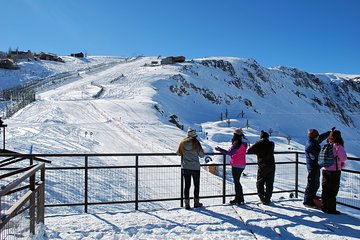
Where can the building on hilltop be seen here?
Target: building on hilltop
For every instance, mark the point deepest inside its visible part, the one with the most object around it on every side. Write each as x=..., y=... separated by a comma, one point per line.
x=78, y=55
x=19, y=55
x=172, y=60
x=49, y=57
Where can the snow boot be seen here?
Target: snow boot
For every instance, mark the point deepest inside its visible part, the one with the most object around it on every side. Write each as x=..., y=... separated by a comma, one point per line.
x=234, y=201
x=197, y=203
x=187, y=203
x=237, y=200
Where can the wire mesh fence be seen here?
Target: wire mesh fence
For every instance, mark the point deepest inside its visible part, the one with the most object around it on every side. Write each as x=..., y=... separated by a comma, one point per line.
x=115, y=182
x=18, y=227
x=106, y=182
x=349, y=192
x=348, y=195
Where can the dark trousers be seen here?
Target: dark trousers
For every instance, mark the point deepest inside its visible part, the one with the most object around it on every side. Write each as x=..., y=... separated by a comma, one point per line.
x=313, y=184
x=186, y=174
x=330, y=188
x=265, y=177
x=236, y=173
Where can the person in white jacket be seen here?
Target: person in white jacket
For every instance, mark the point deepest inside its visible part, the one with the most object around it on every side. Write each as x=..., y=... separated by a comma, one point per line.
x=190, y=150
x=331, y=175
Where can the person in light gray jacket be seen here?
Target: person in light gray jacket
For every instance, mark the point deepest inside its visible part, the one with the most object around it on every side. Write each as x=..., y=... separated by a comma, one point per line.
x=190, y=150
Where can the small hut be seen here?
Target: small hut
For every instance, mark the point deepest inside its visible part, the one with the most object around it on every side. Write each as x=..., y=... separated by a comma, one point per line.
x=78, y=55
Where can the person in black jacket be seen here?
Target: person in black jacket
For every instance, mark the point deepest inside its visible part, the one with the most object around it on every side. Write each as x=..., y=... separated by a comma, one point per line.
x=264, y=150
x=312, y=151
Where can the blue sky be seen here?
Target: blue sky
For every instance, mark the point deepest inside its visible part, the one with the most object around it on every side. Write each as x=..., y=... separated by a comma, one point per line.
x=312, y=35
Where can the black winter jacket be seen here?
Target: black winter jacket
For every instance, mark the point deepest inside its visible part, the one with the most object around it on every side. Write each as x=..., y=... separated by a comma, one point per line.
x=264, y=150
x=313, y=148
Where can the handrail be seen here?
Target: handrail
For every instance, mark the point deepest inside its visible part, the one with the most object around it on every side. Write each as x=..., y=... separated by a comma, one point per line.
x=12, y=161
x=222, y=164
x=17, y=171
x=6, y=188
x=353, y=158
x=31, y=201
x=7, y=154
x=6, y=160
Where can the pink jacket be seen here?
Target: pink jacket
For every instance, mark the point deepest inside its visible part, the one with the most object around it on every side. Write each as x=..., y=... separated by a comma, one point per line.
x=340, y=156
x=237, y=156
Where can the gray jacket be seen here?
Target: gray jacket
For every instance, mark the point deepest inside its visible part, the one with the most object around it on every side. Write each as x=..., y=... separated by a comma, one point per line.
x=190, y=158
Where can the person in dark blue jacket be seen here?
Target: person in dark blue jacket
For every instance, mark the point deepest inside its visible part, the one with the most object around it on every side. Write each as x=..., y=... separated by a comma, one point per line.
x=312, y=151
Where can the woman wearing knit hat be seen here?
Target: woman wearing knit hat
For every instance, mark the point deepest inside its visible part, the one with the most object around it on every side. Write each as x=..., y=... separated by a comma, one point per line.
x=331, y=175
x=312, y=151
x=264, y=150
x=190, y=150
x=237, y=154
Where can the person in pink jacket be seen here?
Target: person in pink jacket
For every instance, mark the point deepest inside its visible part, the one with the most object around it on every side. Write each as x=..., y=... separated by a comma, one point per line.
x=237, y=154
x=331, y=175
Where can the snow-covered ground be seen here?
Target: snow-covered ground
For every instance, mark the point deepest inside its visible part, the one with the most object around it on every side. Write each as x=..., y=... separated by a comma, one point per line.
x=125, y=108
x=283, y=219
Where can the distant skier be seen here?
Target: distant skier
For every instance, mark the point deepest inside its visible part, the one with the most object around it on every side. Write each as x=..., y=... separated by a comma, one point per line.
x=190, y=150
x=237, y=154
x=312, y=151
x=264, y=150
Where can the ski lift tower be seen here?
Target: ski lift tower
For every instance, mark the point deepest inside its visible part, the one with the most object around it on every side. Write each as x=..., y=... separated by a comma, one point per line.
x=3, y=126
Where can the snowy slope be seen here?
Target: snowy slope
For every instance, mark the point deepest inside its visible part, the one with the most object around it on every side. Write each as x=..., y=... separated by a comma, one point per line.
x=135, y=98
x=270, y=98
x=126, y=106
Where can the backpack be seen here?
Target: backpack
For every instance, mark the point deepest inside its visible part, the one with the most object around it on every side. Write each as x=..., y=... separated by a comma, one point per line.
x=326, y=157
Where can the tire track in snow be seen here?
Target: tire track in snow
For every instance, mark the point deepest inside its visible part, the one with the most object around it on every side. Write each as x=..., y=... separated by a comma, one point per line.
x=261, y=223
x=245, y=222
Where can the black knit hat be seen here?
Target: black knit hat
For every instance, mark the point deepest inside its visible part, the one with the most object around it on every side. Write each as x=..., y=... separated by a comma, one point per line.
x=264, y=134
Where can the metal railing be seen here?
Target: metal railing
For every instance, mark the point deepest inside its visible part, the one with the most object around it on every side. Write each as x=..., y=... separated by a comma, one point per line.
x=22, y=202
x=349, y=193
x=84, y=180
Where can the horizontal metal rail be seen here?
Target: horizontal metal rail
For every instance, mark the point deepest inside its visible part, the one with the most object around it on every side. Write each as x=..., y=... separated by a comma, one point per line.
x=135, y=166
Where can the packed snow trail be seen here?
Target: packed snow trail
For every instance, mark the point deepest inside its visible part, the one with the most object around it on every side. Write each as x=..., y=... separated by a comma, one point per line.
x=118, y=121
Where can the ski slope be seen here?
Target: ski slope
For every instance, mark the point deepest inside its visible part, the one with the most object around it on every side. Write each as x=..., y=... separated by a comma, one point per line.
x=70, y=119
x=113, y=111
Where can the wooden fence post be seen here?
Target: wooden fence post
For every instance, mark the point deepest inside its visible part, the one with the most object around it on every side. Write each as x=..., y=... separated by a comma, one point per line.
x=32, y=204
x=41, y=199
